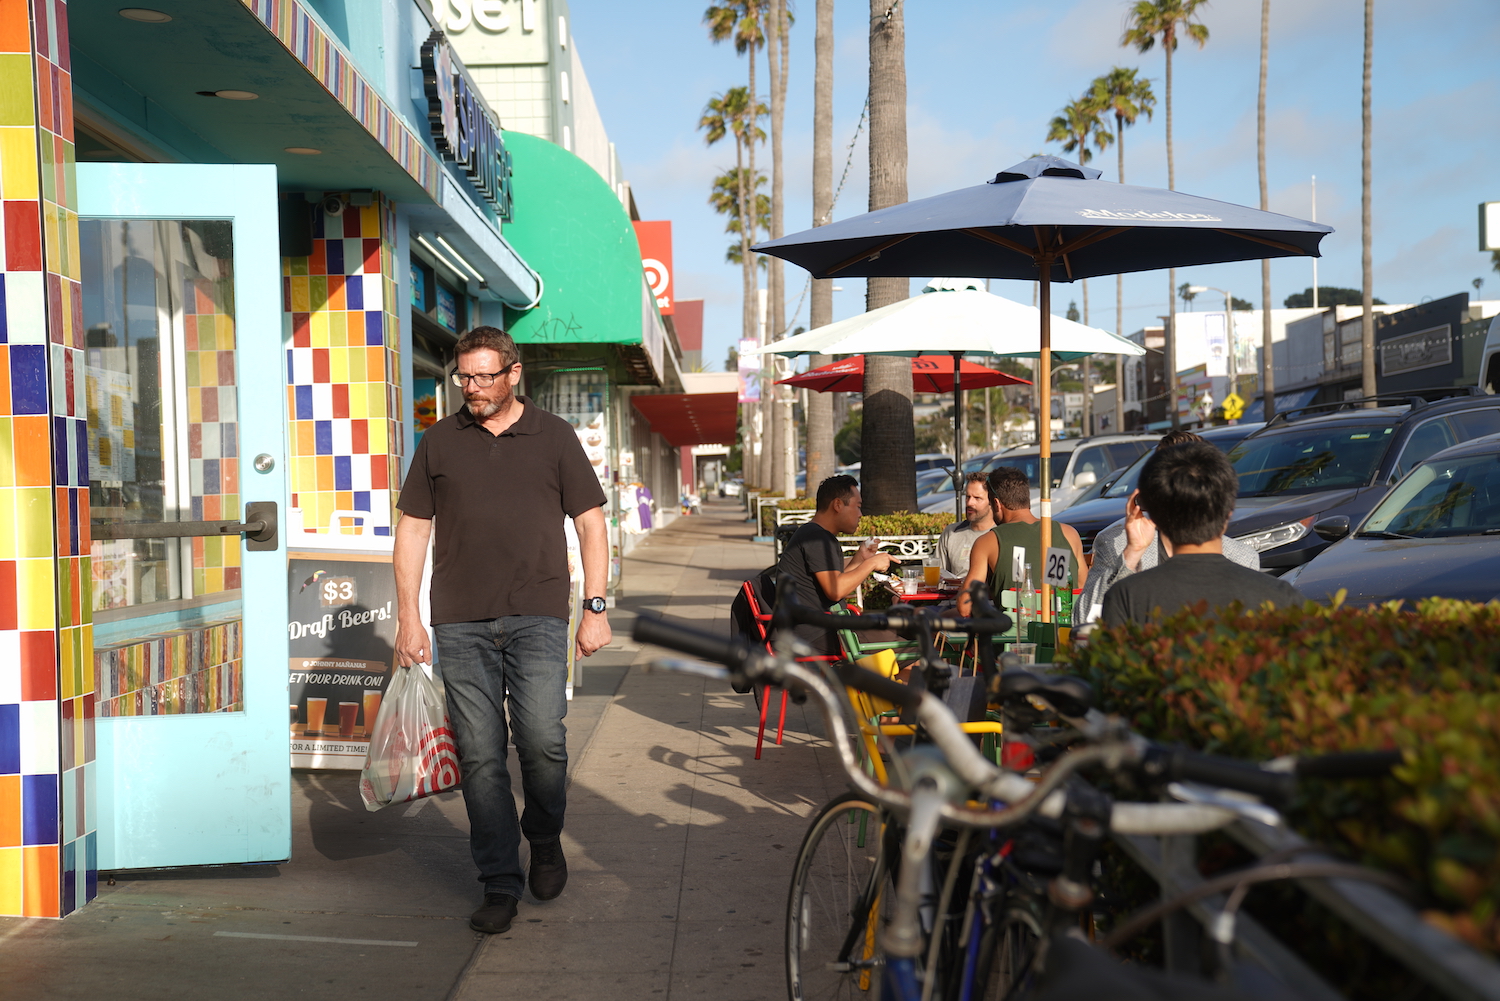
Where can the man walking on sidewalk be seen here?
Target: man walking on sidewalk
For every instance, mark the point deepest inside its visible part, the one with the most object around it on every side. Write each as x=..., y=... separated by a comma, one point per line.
x=500, y=475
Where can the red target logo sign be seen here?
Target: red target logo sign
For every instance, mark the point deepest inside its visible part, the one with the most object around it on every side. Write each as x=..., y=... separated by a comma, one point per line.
x=655, y=239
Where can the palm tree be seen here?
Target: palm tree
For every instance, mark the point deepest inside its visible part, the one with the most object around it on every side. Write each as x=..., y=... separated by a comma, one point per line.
x=1080, y=119
x=1126, y=96
x=1147, y=20
x=888, y=469
x=726, y=201
x=821, y=460
x=1267, y=376
x=740, y=21
x=733, y=113
x=1367, y=269
x=778, y=42
x=730, y=114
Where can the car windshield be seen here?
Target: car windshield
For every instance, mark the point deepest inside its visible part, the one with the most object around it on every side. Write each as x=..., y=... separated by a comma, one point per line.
x=1031, y=465
x=1307, y=459
x=1123, y=486
x=979, y=463
x=1441, y=498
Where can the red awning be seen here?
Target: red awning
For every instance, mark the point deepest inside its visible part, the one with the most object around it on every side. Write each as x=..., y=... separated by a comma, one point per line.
x=691, y=418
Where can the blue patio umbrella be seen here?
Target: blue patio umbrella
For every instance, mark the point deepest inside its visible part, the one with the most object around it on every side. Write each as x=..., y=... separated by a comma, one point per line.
x=1045, y=219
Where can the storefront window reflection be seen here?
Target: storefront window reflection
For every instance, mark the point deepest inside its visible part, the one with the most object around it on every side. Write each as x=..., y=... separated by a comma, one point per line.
x=158, y=310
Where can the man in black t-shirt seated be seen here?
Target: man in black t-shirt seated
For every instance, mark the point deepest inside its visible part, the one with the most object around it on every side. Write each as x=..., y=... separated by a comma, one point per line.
x=1188, y=491
x=817, y=564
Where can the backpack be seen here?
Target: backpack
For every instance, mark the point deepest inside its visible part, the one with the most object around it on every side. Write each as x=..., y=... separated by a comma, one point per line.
x=742, y=613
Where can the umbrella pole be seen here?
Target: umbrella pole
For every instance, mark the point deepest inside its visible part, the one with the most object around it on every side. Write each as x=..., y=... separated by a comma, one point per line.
x=958, y=447
x=1044, y=427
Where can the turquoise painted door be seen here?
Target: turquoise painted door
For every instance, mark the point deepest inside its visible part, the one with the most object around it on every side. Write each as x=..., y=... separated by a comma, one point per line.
x=185, y=386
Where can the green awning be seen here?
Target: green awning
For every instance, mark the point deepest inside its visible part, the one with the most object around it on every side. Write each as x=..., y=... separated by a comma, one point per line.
x=571, y=228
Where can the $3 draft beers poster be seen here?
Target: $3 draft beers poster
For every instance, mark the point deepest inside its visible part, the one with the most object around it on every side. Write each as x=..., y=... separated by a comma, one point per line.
x=342, y=630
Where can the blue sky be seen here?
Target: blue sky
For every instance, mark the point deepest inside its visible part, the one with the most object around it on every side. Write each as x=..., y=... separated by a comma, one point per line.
x=984, y=79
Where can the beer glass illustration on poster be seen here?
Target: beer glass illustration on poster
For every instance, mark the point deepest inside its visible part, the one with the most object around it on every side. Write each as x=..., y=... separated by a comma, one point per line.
x=342, y=631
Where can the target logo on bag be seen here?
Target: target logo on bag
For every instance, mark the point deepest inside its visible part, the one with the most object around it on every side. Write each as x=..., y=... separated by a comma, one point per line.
x=438, y=755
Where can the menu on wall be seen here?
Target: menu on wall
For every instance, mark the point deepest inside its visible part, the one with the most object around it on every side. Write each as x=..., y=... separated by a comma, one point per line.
x=341, y=627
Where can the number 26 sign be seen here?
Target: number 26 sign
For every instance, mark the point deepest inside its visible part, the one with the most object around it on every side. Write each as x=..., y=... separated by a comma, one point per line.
x=1059, y=559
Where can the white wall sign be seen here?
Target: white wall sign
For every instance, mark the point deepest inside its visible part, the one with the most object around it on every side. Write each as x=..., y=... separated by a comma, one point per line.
x=495, y=32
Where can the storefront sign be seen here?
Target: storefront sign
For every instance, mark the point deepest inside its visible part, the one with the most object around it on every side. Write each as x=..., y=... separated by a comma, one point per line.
x=655, y=239
x=462, y=128
x=1413, y=352
x=341, y=627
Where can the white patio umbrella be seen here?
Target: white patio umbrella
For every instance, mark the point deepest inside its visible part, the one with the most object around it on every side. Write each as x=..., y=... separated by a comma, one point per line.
x=957, y=316
x=964, y=320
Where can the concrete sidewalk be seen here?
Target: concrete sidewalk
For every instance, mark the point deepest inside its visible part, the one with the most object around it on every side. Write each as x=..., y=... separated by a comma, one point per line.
x=680, y=848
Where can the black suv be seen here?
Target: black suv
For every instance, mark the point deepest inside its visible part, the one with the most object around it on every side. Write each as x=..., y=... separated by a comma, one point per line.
x=1340, y=459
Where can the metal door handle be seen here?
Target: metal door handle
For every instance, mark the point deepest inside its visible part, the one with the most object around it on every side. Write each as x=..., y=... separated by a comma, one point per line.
x=259, y=528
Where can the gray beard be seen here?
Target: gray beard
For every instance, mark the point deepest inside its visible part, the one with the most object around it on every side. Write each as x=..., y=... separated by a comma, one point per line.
x=484, y=411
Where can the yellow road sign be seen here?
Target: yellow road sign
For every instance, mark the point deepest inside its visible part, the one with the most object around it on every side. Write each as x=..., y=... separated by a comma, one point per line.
x=1234, y=406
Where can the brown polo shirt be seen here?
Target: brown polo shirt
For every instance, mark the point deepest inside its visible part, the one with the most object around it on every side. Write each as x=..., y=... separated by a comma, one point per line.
x=499, y=502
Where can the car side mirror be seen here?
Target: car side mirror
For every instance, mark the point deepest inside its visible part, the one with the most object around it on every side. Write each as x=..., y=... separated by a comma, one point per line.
x=1085, y=479
x=1333, y=528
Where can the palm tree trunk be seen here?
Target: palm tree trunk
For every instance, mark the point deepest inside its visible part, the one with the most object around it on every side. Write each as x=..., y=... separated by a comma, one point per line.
x=1267, y=349
x=888, y=470
x=1088, y=388
x=750, y=467
x=763, y=464
x=1367, y=267
x=821, y=460
x=1169, y=345
x=781, y=480
x=1120, y=295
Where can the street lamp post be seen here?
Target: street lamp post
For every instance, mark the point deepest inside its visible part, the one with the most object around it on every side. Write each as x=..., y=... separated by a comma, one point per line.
x=1234, y=362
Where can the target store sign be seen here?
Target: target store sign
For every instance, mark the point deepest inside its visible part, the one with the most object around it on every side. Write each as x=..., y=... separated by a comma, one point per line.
x=655, y=239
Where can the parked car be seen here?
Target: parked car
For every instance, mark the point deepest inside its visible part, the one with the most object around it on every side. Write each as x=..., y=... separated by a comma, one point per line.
x=1103, y=504
x=1077, y=464
x=731, y=487
x=1340, y=460
x=933, y=460
x=1436, y=534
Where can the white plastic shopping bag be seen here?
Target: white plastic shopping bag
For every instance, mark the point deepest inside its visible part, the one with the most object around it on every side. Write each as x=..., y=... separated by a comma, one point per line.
x=412, y=753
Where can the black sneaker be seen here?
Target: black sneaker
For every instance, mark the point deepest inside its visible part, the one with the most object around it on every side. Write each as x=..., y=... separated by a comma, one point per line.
x=495, y=916
x=549, y=870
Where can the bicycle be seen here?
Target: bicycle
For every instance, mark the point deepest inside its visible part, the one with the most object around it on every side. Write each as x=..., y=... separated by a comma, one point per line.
x=877, y=913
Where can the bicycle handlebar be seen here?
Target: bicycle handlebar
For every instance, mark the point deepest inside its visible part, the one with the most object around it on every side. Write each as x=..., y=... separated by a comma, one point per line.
x=1178, y=763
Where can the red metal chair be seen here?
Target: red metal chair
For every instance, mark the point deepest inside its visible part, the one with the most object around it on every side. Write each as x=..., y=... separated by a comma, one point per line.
x=762, y=622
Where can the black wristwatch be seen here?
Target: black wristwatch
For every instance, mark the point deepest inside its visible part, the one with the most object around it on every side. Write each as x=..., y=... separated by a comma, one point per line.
x=595, y=604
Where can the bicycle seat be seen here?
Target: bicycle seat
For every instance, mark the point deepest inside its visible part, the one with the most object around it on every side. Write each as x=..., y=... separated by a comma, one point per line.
x=1068, y=695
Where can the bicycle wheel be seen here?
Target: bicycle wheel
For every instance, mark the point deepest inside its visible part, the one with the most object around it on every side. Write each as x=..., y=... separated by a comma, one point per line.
x=841, y=891
x=1011, y=974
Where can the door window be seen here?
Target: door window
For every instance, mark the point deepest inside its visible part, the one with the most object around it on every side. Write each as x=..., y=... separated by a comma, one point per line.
x=1123, y=453
x=1429, y=438
x=1091, y=460
x=1476, y=423
x=163, y=444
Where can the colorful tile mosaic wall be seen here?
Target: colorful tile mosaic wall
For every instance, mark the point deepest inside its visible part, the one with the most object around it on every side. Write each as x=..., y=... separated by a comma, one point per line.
x=195, y=670
x=344, y=397
x=213, y=430
x=334, y=69
x=48, y=849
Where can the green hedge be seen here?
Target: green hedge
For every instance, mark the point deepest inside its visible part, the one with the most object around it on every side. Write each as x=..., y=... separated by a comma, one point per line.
x=1319, y=679
x=901, y=523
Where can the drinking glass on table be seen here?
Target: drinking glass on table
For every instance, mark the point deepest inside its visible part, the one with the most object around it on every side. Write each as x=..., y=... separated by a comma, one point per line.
x=932, y=569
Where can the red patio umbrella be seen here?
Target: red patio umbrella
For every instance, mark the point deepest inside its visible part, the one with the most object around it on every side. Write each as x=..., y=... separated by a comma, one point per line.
x=929, y=374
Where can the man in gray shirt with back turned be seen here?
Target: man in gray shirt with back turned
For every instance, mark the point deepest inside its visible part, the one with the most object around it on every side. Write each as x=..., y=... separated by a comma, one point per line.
x=1188, y=491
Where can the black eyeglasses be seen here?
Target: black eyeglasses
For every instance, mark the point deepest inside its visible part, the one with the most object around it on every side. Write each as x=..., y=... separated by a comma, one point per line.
x=483, y=380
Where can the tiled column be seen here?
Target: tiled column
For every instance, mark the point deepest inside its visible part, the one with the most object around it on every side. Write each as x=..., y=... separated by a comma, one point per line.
x=344, y=397
x=47, y=839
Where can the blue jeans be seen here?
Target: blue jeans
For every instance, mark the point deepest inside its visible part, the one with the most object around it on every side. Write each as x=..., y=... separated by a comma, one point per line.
x=519, y=663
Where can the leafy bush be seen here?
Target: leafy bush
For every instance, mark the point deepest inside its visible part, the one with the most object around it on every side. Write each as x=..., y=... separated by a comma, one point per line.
x=1319, y=679
x=901, y=523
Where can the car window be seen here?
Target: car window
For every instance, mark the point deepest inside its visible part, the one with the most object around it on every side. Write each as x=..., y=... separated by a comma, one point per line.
x=1123, y=453
x=1127, y=481
x=1305, y=459
x=1476, y=423
x=1452, y=497
x=1030, y=464
x=1091, y=460
x=1429, y=438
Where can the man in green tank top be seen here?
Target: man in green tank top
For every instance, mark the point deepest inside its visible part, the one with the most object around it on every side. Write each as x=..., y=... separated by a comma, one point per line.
x=1016, y=539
